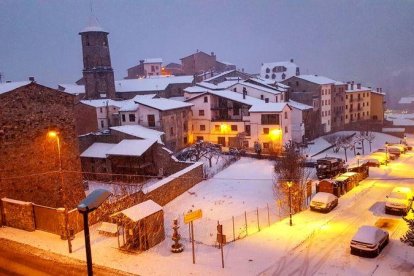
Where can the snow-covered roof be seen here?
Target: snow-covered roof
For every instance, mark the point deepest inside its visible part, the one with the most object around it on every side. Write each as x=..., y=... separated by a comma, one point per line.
x=9, y=86
x=259, y=87
x=219, y=75
x=163, y=104
x=234, y=96
x=299, y=106
x=267, y=107
x=153, y=60
x=72, y=88
x=195, y=89
x=228, y=83
x=105, y=102
x=180, y=99
x=93, y=26
x=208, y=85
x=133, y=147
x=366, y=234
x=141, y=210
x=147, y=96
x=319, y=79
x=97, y=150
x=129, y=106
x=150, y=84
x=140, y=132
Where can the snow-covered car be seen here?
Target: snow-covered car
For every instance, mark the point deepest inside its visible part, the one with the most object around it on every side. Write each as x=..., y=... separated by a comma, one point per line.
x=323, y=202
x=380, y=156
x=371, y=162
x=369, y=240
x=403, y=148
x=395, y=150
x=399, y=201
x=391, y=156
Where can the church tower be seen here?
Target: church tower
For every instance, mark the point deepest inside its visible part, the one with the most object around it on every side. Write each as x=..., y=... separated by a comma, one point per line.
x=97, y=70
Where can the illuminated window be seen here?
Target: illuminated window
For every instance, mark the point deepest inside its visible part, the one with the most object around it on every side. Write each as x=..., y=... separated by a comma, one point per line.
x=217, y=127
x=265, y=130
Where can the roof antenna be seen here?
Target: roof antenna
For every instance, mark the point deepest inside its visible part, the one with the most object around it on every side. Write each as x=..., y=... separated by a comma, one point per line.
x=91, y=6
x=1, y=76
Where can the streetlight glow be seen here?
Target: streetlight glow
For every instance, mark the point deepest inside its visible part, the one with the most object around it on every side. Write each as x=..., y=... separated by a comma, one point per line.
x=52, y=134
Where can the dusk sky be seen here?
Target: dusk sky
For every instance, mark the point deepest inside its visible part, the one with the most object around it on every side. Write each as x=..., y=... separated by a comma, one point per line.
x=366, y=41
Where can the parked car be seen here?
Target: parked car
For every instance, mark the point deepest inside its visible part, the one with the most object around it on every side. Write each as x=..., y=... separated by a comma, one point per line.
x=395, y=150
x=403, y=148
x=323, y=202
x=391, y=156
x=372, y=162
x=369, y=241
x=380, y=156
x=399, y=201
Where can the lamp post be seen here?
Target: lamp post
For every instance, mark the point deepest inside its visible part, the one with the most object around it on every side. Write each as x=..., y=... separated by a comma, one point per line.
x=55, y=135
x=358, y=154
x=289, y=183
x=386, y=153
x=86, y=206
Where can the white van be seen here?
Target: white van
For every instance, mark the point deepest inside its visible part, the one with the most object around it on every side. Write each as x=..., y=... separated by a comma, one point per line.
x=323, y=202
x=399, y=201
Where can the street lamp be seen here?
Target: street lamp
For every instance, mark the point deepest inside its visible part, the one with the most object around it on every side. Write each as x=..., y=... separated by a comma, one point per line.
x=55, y=135
x=358, y=154
x=289, y=183
x=86, y=206
x=386, y=153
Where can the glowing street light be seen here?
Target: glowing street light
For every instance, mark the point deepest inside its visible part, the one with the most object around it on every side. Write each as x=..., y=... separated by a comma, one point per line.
x=55, y=135
x=358, y=154
x=289, y=183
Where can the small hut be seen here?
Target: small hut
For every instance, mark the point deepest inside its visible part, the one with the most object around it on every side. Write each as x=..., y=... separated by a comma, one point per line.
x=328, y=186
x=141, y=226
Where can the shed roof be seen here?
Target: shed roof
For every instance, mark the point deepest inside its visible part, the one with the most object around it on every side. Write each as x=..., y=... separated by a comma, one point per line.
x=132, y=147
x=140, y=211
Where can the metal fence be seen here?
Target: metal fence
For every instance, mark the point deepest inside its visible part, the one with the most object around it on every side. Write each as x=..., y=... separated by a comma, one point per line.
x=235, y=228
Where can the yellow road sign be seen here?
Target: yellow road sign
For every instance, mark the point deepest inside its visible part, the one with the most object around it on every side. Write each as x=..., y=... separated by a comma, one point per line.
x=189, y=217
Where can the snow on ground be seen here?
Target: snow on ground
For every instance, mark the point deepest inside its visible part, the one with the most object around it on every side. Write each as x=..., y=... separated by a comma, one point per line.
x=400, y=119
x=315, y=244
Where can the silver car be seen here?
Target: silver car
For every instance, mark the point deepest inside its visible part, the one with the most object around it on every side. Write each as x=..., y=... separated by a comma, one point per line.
x=369, y=241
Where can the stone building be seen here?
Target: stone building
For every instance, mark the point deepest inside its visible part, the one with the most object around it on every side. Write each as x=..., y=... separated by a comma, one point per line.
x=338, y=106
x=357, y=104
x=146, y=68
x=29, y=159
x=201, y=62
x=98, y=75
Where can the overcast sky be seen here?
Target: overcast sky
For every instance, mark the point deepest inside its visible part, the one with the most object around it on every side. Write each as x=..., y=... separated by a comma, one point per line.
x=366, y=41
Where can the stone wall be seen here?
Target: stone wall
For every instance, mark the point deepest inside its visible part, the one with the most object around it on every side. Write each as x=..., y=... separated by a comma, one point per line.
x=18, y=214
x=29, y=159
x=86, y=119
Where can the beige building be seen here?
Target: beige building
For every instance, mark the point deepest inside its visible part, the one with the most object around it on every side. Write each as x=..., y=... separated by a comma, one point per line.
x=357, y=103
x=377, y=105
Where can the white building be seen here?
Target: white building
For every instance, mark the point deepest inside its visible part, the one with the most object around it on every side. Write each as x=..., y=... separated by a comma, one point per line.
x=279, y=71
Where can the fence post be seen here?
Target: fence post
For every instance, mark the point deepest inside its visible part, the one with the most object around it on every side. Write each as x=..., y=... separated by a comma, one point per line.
x=234, y=236
x=257, y=213
x=245, y=221
x=268, y=215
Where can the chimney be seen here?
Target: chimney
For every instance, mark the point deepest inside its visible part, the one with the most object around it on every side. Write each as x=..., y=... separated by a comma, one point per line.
x=352, y=86
x=378, y=90
x=8, y=81
x=212, y=54
x=141, y=61
x=242, y=70
x=244, y=92
x=352, y=82
x=291, y=60
x=381, y=89
x=31, y=78
x=358, y=86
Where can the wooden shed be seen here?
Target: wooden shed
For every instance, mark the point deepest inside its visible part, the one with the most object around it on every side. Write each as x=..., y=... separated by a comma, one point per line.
x=140, y=227
x=353, y=180
x=328, y=186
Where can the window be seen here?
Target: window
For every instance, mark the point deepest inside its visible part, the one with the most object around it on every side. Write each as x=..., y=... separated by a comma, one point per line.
x=265, y=145
x=286, y=116
x=286, y=129
x=200, y=138
x=100, y=109
x=202, y=127
x=270, y=119
x=102, y=124
x=247, y=129
x=216, y=127
x=185, y=128
x=265, y=130
x=185, y=140
x=201, y=113
x=245, y=144
x=267, y=70
x=273, y=76
x=171, y=131
x=205, y=99
x=297, y=83
x=123, y=117
x=233, y=127
x=152, y=68
x=151, y=120
x=132, y=117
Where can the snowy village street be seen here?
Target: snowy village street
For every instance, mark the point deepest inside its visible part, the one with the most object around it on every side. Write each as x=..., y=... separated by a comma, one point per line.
x=316, y=244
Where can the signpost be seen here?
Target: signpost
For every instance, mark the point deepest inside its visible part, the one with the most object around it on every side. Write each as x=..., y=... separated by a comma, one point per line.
x=189, y=218
x=221, y=239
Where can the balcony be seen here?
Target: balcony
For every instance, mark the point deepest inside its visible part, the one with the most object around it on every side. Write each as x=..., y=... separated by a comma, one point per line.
x=226, y=119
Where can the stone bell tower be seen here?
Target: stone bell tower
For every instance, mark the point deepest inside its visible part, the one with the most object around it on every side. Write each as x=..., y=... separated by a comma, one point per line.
x=97, y=70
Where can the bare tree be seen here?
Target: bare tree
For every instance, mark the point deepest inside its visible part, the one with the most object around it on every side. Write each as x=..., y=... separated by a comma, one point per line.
x=370, y=137
x=291, y=168
x=199, y=150
x=335, y=141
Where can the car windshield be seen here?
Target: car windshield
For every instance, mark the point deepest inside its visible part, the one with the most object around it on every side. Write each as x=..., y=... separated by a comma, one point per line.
x=398, y=195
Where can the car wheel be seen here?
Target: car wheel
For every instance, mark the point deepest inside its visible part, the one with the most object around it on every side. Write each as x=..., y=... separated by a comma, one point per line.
x=378, y=251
